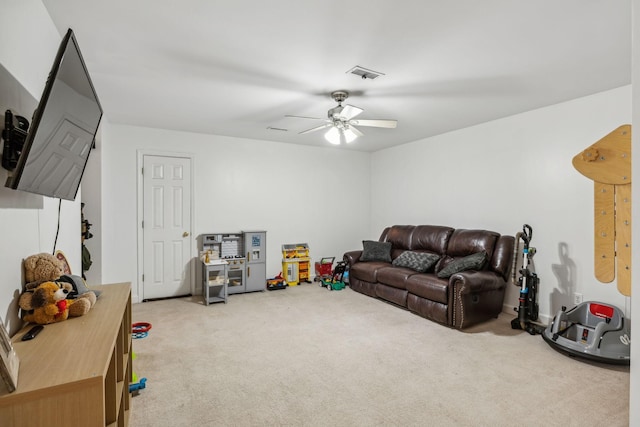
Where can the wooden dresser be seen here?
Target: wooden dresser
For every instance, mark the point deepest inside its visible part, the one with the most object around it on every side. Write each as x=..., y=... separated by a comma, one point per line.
x=77, y=372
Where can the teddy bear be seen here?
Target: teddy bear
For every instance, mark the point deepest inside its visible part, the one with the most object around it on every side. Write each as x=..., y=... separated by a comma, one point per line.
x=45, y=267
x=49, y=303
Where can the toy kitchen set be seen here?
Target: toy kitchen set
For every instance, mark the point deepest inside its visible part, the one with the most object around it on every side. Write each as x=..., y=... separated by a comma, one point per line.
x=232, y=263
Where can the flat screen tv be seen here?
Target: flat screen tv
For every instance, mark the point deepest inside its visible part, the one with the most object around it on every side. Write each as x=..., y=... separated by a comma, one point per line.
x=62, y=130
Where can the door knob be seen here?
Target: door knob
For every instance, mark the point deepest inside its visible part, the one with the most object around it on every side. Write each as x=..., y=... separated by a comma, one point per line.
x=185, y=234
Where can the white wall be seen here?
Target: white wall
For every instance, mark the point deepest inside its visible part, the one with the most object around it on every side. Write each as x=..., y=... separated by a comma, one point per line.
x=318, y=196
x=28, y=222
x=503, y=174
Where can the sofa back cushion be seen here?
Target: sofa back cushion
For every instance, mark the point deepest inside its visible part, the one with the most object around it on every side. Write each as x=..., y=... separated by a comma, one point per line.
x=400, y=236
x=467, y=242
x=430, y=238
x=503, y=256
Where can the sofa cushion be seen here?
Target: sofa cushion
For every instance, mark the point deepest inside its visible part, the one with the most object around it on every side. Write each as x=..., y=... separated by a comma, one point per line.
x=394, y=276
x=472, y=262
x=418, y=261
x=367, y=271
x=428, y=286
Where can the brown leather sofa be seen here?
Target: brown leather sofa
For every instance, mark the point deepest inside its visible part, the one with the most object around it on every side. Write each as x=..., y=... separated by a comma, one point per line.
x=470, y=295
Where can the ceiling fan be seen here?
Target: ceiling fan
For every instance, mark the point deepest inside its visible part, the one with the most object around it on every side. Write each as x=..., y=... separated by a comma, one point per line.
x=341, y=121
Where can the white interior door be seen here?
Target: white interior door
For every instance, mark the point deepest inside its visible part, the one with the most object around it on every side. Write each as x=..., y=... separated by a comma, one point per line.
x=166, y=226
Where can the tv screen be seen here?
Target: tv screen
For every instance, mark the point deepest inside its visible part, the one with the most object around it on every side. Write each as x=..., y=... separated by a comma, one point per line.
x=63, y=129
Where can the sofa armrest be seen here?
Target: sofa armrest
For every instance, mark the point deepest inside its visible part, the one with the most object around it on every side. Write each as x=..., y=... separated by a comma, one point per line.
x=352, y=257
x=477, y=281
x=476, y=296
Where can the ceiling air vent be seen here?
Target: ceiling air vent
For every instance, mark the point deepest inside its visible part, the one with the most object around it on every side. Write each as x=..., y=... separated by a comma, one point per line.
x=365, y=73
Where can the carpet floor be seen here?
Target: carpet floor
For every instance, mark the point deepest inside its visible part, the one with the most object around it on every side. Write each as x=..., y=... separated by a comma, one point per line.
x=306, y=356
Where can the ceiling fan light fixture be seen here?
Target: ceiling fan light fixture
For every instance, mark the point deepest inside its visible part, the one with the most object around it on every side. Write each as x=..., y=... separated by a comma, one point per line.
x=349, y=135
x=336, y=135
x=333, y=136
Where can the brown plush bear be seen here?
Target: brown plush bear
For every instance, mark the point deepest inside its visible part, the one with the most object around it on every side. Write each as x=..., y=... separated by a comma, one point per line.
x=49, y=303
x=45, y=267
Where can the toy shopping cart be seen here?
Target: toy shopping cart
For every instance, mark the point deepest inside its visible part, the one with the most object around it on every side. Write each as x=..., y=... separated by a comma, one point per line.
x=324, y=268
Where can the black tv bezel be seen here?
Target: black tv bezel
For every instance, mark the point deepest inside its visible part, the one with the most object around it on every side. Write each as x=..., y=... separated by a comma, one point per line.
x=68, y=39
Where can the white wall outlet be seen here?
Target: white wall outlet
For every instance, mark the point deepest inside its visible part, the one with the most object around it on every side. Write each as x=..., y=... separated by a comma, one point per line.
x=577, y=298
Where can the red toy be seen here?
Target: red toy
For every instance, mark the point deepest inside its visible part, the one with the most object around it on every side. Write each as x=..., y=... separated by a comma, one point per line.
x=324, y=268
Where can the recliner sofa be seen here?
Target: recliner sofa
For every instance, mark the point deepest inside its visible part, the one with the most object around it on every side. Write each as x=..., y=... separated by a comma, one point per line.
x=455, y=277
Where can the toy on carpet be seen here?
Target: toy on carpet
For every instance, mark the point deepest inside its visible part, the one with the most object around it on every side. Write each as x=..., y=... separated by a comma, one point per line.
x=140, y=329
x=276, y=283
x=324, y=268
x=135, y=387
x=336, y=281
x=591, y=330
x=44, y=267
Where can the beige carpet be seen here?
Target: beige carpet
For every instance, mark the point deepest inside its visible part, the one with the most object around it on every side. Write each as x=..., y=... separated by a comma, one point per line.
x=305, y=356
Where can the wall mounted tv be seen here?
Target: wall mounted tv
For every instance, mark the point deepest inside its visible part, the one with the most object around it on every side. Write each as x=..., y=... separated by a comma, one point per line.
x=58, y=142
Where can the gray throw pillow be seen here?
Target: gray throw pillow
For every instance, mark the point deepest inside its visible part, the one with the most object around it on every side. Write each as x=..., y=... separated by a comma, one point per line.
x=472, y=262
x=375, y=251
x=418, y=261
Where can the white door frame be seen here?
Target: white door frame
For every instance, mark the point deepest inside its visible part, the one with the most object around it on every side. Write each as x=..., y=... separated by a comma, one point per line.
x=138, y=291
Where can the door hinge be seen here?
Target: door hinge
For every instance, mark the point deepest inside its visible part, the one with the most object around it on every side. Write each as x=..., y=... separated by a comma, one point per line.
x=143, y=277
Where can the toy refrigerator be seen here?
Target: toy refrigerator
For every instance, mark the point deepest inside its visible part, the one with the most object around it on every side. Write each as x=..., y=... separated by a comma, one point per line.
x=256, y=252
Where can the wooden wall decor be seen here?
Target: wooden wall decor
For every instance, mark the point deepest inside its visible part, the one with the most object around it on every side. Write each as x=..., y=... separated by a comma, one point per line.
x=608, y=164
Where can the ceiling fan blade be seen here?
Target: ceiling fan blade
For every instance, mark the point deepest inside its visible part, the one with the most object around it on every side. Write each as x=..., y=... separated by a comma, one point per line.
x=356, y=130
x=304, y=117
x=349, y=111
x=391, y=124
x=326, y=125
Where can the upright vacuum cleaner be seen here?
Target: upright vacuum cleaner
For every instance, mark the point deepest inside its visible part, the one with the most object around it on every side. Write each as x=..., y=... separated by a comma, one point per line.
x=528, y=281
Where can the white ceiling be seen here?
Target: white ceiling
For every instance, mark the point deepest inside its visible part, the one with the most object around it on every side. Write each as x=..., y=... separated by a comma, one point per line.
x=233, y=67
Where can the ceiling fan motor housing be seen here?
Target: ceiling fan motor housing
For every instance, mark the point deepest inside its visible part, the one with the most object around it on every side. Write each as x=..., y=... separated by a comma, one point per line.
x=339, y=95
x=334, y=113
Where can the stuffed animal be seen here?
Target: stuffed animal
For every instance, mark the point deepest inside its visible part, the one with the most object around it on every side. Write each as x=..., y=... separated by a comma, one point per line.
x=45, y=267
x=42, y=267
x=49, y=303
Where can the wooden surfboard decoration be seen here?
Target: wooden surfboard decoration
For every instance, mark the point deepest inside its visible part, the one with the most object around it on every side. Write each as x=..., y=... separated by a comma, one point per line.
x=623, y=238
x=604, y=243
x=608, y=163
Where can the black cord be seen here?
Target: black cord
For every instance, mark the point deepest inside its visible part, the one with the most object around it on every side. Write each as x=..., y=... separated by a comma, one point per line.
x=55, y=242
